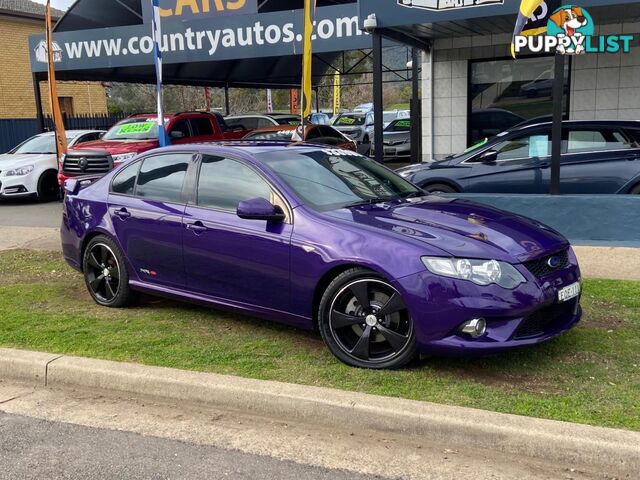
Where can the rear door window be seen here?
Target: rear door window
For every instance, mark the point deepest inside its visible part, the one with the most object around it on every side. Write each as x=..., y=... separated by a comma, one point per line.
x=124, y=183
x=585, y=141
x=162, y=177
x=201, y=127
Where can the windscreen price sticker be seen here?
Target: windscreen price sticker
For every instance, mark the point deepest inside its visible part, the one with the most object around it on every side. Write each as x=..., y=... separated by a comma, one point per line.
x=129, y=128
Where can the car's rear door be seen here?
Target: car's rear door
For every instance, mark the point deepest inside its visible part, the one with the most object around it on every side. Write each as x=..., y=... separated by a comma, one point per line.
x=520, y=166
x=146, y=206
x=598, y=160
x=243, y=261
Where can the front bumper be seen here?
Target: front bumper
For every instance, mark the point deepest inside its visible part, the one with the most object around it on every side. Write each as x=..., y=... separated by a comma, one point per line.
x=527, y=315
x=19, y=187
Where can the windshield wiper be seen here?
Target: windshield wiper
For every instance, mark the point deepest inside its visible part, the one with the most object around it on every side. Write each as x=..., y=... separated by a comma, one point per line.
x=372, y=201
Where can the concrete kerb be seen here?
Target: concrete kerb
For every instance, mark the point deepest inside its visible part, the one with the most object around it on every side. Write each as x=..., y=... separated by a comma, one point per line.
x=574, y=445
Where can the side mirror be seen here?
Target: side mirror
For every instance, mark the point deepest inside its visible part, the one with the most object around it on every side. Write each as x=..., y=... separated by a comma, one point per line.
x=177, y=135
x=490, y=156
x=260, y=209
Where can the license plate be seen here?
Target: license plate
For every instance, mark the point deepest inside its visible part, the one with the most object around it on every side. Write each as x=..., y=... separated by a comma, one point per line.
x=570, y=292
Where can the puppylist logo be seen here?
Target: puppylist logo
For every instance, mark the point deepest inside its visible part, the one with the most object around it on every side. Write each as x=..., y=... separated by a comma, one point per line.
x=570, y=30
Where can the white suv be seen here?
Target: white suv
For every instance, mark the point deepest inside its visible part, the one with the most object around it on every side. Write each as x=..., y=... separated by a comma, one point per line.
x=31, y=169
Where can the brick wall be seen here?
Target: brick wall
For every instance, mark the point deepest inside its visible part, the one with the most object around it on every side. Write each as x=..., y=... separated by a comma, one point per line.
x=16, y=85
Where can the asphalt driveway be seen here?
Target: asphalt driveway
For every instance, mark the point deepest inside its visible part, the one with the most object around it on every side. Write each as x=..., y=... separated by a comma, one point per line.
x=30, y=213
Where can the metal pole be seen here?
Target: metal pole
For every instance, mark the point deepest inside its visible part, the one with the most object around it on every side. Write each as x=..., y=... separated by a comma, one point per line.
x=227, y=106
x=378, y=107
x=556, y=129
x=38, y=98
x=416, y=116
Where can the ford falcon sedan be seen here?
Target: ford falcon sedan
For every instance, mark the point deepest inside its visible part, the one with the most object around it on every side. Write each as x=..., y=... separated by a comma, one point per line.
x=326, y=239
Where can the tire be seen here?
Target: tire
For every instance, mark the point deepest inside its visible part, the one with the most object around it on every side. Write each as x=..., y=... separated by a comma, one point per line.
x=359, y=332
x=48, y=188
x=635, y=190
x=439, y=188
x=366, y=141
x=112, y=290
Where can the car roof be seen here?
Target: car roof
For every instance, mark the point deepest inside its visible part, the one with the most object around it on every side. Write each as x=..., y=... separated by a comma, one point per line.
x=581, y=123
x=246, y=147
x=75, y=133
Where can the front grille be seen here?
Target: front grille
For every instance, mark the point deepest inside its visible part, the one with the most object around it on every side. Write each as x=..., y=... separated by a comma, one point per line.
x=87, y=163
x=546, y=319
x=545, y=266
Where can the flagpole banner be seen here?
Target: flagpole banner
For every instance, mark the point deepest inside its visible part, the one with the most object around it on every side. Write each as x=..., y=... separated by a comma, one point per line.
x=54, y=102
x=532, y=19
x=293, y=101
x=307, y=59
x=337, y=93
x=156, y=35
x=269, y=101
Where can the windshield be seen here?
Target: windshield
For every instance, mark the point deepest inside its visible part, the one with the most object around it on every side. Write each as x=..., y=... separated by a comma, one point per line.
x=389, y=117
x=288, y=120
x=134, y=129
x=42, y=144
x=399, y=126
x=285, y=135
x=328, y=179
x=348, y=120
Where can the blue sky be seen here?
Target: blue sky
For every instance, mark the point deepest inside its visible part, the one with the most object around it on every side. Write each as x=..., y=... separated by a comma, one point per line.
x=59, y=4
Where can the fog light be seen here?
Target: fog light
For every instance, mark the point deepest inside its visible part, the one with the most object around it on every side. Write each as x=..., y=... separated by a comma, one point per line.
x=474, y=328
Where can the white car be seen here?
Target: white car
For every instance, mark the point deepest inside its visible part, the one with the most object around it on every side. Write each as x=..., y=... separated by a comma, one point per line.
x=31, y=169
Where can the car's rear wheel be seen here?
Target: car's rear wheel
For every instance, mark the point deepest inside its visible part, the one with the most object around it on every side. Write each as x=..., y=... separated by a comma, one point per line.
x=365, y=323
x=105, y=273
x=635, y=190
x=48, y=188
x=439, y=188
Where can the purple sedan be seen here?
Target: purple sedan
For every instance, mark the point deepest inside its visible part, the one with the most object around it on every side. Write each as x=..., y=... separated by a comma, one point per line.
x=324, y=239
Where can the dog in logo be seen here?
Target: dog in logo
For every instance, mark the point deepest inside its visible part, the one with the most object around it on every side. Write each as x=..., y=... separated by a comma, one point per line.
x=570, y=20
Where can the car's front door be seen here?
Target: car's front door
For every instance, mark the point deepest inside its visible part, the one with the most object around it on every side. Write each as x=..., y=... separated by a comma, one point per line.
x=518, y=167
x=146, y=206
x=230, y=258
x=597, y=160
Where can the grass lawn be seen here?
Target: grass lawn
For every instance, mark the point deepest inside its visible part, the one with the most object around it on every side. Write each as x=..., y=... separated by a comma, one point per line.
x=591, y=375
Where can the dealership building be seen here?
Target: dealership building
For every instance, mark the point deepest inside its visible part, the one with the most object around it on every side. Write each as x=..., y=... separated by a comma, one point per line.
x=472, y=88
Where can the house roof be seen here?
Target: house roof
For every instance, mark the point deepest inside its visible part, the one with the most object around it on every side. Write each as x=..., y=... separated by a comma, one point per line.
x=27, y=8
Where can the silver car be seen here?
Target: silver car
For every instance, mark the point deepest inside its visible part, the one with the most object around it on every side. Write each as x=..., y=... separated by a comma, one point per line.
x=397, y=139
x=358, y=126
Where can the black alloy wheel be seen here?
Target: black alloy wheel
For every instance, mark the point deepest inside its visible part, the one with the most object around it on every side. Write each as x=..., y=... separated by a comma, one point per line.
x=365, y=322
x=105, y=273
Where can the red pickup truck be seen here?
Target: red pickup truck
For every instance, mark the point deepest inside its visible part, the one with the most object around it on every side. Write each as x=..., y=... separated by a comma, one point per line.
x=138, y=134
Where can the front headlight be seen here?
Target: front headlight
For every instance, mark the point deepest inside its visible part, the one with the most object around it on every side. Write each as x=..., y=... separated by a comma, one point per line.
x=123, y=157
x=480, y=272
x=18, y=172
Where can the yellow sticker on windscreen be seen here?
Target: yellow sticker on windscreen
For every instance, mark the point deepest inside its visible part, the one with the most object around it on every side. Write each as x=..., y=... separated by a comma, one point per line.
x=132, y=128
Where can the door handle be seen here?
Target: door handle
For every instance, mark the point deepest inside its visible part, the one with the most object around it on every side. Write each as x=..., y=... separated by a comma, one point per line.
x=123, y=214
x=197, y=227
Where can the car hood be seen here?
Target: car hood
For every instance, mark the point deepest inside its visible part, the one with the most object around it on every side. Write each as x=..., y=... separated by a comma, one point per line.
x=342, y=128
x=116, y=147
x=460, y=228
x=11, y=161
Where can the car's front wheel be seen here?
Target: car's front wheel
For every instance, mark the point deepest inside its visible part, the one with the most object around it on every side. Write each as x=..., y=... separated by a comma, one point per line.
x=365, y=323
x=48, y=188
x=635, y=190
x=105, y=273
